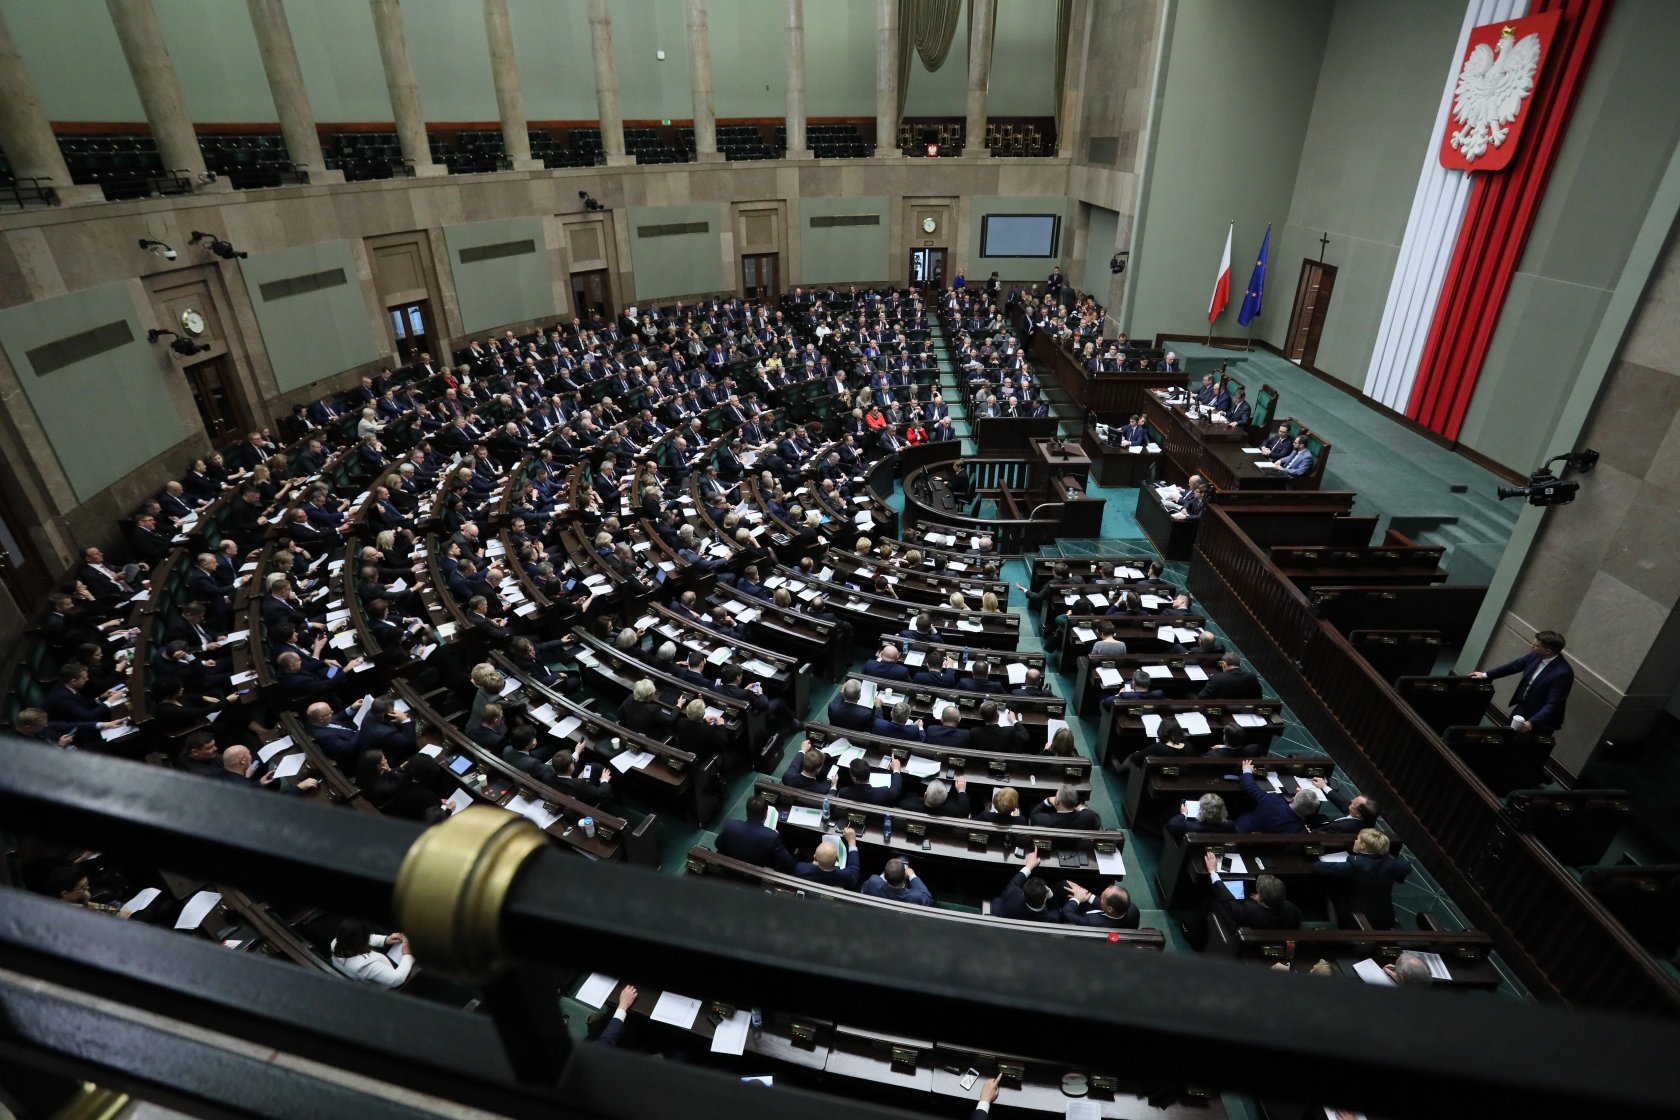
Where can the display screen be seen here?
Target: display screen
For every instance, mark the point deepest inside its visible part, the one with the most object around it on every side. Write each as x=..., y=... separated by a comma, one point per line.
x=1019, y=235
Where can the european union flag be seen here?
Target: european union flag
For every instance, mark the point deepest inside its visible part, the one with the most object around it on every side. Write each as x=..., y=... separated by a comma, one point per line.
x=1256, y=284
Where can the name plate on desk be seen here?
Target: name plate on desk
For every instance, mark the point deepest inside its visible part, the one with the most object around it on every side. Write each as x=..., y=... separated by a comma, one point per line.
x=916, y=831
x=857, y=820
x=1103, y=1084
x=998, y=766
x=1012, y=1074
x=979, y=840
x=904, y=1060
x=803, y=1035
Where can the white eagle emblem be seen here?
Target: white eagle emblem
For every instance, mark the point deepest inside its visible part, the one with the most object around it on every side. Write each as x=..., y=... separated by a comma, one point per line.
x=1491, y=90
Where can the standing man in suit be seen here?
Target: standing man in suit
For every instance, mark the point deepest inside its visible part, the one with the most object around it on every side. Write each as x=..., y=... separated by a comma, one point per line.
x=751, y=841
x=1543, y=690
x=1232, y=682
x=1368, y=877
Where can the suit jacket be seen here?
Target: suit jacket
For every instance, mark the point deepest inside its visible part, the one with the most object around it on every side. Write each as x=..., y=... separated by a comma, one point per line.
x=994, y=737
x=1055, y=818
x=342, y=743
x=912, y=891
x=888, y=794
x=1248, y=913
x=751, y=842
x=1074, y=913
x=63, y=703
x=1542, y=700
x=1271, y=812
x=1297, y=463
x=845, y=878
x=853, y=717
x=1368, y=884
x=1233, y=684
x=1012, y=903
x=891, y=730
x=941, y=736
x=887, y=670
x=798, y=779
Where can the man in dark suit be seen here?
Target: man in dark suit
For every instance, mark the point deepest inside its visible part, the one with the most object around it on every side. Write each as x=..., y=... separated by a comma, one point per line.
x=340, y=742
x=389, y=730
x=809, y=771
x=1543, y=686
x=994, y=735
x=886, y=665
x=940, y=672
x=1271, y=813
x=1113, y=910
x=1026, y=897
x=1276, y=447
x=899, y=725
x=860, y=789
x=1366, y=879
x=941, y=799
x=825, y=866
x=949, y=732
x=1268, y=908
x=1065, y=810
x=1232, y=682
x=1358, y=814
x=752, y=841
x=982, y=680
x=845, y=711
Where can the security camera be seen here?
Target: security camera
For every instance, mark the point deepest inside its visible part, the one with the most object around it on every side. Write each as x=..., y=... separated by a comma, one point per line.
x=158, y=247
x=188, y=347
x=207, y=177
x=169, y=254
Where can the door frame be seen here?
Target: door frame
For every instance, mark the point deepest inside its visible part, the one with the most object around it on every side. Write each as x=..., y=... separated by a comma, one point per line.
x=944, y=260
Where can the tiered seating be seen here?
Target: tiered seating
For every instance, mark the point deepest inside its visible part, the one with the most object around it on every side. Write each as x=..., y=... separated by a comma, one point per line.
x=251, y=160
x=831, y=141
x=746, y=142
x=123, y=166
x=914, y=136
x=364, y=155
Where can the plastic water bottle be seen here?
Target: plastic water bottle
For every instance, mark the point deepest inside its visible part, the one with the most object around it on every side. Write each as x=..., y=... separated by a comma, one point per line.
x=825, y=813
x=886, y=827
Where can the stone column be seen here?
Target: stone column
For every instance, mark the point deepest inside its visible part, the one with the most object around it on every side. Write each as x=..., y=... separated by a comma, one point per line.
x=795, y=51
x=1073, y=80
x=403, y=87
x=606, y=84
x=25, y=136
x=510, y=98
x=700, y=82
x=982, y=29
x=147, y=52
x=285, y=85
x=886, y=79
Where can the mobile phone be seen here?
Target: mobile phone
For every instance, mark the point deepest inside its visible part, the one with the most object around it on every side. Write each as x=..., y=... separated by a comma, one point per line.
x=969, y=1078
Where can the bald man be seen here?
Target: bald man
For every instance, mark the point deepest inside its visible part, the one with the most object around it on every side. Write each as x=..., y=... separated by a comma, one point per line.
x=824, y=867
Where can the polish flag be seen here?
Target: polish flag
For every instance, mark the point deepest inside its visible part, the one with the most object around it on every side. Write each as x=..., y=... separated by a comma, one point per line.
x=1222, y=283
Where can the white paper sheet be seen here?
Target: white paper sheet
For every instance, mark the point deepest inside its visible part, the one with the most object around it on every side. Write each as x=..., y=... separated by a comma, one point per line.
x=267, y=753
x=1248, y=719
x=1195, y=672
x=730, y=1036
x=678, y=1011
x=291, y=765
x=596, y=990
x=142, y=900
x=1194, y=723
x=459, y=800
x=1112, y=864
x=1372, y=973
x=198, y=908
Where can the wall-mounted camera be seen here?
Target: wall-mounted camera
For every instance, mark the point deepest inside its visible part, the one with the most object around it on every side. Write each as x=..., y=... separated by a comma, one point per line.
x=1547, y=489
x=186, y=347
x=158, y=248
x=216, y=245
x=1117, y=263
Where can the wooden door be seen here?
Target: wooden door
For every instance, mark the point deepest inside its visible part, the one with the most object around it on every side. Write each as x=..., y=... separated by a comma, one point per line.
x=591, y=295
x=759, y=275
x=411, y=330
x=1312, y=302
x=218, y=410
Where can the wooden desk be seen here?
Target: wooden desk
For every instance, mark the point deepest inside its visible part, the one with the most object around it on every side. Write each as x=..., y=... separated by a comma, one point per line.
x=1058, y=459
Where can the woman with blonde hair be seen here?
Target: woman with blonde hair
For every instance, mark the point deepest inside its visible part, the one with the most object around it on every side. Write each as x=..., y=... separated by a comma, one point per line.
x=989, y=603
x=958, y=602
